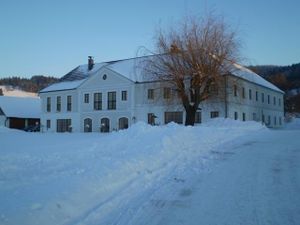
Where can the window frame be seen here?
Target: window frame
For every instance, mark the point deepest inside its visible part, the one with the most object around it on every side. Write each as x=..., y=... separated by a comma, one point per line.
x=97, y=103
x=124, y=95
x=69, y=103
x=150, y=94
x=58, y=103
x=86, y=98
x=112, y=100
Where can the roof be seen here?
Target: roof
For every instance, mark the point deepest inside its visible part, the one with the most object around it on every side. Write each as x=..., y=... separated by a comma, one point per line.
x=244, y=73
x=20, y=107
x=132, y=70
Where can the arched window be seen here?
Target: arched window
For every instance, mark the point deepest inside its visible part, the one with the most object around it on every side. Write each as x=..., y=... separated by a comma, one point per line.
x=104, y=125
x=123, y=123
x=88, y=125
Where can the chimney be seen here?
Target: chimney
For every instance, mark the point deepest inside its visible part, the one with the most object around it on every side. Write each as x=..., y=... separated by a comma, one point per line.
x=90, y=62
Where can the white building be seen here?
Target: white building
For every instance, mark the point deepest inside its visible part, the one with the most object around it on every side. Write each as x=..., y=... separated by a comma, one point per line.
x=113, y=95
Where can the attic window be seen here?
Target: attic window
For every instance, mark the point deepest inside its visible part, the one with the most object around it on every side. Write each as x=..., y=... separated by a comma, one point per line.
x=104, y=77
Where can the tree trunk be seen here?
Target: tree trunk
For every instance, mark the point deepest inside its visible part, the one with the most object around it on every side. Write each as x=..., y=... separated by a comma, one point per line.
x=190, y=116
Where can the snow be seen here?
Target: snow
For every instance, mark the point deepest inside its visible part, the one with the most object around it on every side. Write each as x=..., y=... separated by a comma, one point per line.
x=20, y=107
x=14, y=92
x=67, y=85
x=220, y=172
x=249, y=75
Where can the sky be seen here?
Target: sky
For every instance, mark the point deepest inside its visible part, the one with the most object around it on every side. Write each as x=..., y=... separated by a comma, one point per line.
x=39, y=37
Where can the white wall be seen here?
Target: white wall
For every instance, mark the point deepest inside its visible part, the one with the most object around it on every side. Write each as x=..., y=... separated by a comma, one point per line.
x=250, y=106
x=2, y=120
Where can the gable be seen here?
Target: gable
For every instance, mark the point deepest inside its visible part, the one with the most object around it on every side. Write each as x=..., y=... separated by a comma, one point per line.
x=105, y=78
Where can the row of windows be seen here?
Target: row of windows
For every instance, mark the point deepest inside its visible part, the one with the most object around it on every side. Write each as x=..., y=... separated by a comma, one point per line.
x=58, y=104
x=111, y=99
x=104, y=124
x=255, y=118
x=166, y=93
x=256, y=96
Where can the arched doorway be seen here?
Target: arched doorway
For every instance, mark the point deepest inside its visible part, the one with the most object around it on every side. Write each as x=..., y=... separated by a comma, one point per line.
x=104, y=125
x=123, y=123
x=88, y=125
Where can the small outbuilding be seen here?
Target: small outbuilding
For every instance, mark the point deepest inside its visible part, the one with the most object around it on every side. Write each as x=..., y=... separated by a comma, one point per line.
x=19, y=112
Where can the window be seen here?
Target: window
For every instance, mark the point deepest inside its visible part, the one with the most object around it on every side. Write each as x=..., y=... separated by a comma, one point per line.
x=151, y=94
x=279, y=101
x=151, y=118
x=48, y=104
x=111, y=101
x=104, y=128
x=262, y=97
x=250, y=94
x=88, y=125
x=63, y=125
x=97, y=101
x=254, y=117
x=235, y=90
x=58, y=103
x=256, y=95
x=48, y=124
x=176, y=117
x=275, y=121
x=198, y=117
x=123, y=123
x=167, y=93
x=69, y=103
x=235, y=115
x=214, y=114
x=86, y=98
x=244, y=116
x=280, y=121
x=268, y=99
x=274, y=100
x=243, y=93
x=263, y=118
x=269, y=120
x=124, y=95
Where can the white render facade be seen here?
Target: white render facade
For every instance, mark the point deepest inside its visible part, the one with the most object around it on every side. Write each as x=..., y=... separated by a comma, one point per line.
x=114, y=95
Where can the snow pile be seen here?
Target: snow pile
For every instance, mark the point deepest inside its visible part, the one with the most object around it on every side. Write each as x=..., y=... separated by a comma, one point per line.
x=294, y=124
x=91, y=178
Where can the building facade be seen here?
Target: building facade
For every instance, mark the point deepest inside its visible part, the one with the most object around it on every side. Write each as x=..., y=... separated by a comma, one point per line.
x=109, y=96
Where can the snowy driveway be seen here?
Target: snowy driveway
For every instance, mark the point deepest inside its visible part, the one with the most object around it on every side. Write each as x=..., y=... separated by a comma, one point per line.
x=255, y=181
x=223, y=172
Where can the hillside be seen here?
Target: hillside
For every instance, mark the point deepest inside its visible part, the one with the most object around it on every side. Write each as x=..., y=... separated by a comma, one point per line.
x=15, y=92
x=33, y=84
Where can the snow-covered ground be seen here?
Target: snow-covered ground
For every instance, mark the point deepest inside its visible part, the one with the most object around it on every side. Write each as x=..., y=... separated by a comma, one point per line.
x=14, y=92
x=151, y=175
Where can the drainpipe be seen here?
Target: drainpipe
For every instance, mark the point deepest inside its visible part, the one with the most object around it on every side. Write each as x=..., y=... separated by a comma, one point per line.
x=226, y=103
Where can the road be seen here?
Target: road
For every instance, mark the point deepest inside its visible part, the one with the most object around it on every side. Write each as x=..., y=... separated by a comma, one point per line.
x=255, y=181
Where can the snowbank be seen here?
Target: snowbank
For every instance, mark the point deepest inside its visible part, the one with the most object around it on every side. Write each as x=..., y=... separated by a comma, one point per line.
x=294, y=124
x=86, y=178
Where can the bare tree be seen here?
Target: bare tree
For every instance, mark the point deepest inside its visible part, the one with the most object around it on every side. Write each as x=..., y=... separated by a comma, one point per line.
x=191, y=57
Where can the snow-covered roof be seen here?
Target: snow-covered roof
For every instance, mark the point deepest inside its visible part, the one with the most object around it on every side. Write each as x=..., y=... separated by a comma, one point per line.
x=65, y=85
x=20, y=107
x=243, y=72
x=132, y=70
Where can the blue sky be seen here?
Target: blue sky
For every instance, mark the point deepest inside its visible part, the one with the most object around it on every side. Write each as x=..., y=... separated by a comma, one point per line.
x=52, y=37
